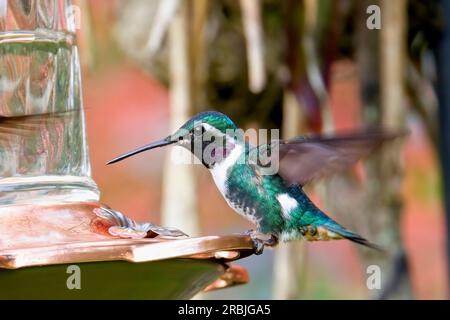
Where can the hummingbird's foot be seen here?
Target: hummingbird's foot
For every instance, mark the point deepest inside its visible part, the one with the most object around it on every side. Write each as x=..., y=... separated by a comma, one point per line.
x=258, y=246
x=272, y=241
x=260, y=243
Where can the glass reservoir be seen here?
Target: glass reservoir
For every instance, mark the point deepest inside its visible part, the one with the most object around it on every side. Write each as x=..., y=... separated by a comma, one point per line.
x=43, y=149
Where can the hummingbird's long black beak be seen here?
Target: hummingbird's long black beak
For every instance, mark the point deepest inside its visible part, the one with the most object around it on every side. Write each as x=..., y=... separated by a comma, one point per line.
x=153, y=145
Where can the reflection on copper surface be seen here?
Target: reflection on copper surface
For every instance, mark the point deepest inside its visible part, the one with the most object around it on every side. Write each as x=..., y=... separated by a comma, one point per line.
x=71, y=233
x=235, y=275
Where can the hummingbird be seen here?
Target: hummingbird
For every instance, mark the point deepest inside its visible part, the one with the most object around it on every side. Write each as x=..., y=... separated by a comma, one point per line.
x=274, y=202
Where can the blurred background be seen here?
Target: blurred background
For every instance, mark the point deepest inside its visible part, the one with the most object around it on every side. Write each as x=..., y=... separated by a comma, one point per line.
x=303, y=66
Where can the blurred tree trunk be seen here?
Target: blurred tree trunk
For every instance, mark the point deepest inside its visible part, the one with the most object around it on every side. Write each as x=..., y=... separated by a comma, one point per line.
x=381, y=57
x=443, y=62
x=179, y=208
x=198, y=16
x=85, y=38
x=375, y=208
x=303, y=60
x=290, y=258
x=385, y=171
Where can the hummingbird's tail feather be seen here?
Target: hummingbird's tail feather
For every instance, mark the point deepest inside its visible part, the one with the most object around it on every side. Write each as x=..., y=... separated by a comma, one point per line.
x=342, y=232
x=315, y=225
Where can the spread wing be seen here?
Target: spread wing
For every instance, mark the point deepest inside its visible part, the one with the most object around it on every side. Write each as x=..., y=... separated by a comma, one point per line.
x=304, y=159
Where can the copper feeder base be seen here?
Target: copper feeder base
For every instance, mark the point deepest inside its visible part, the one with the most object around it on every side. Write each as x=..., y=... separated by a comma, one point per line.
x=41, y=241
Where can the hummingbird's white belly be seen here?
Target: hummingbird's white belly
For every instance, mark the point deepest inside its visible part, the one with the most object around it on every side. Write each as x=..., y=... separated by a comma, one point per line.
x=220, y=170
x=220, y=175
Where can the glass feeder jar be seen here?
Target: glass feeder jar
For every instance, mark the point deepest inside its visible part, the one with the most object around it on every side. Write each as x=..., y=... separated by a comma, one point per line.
x=43, y=149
